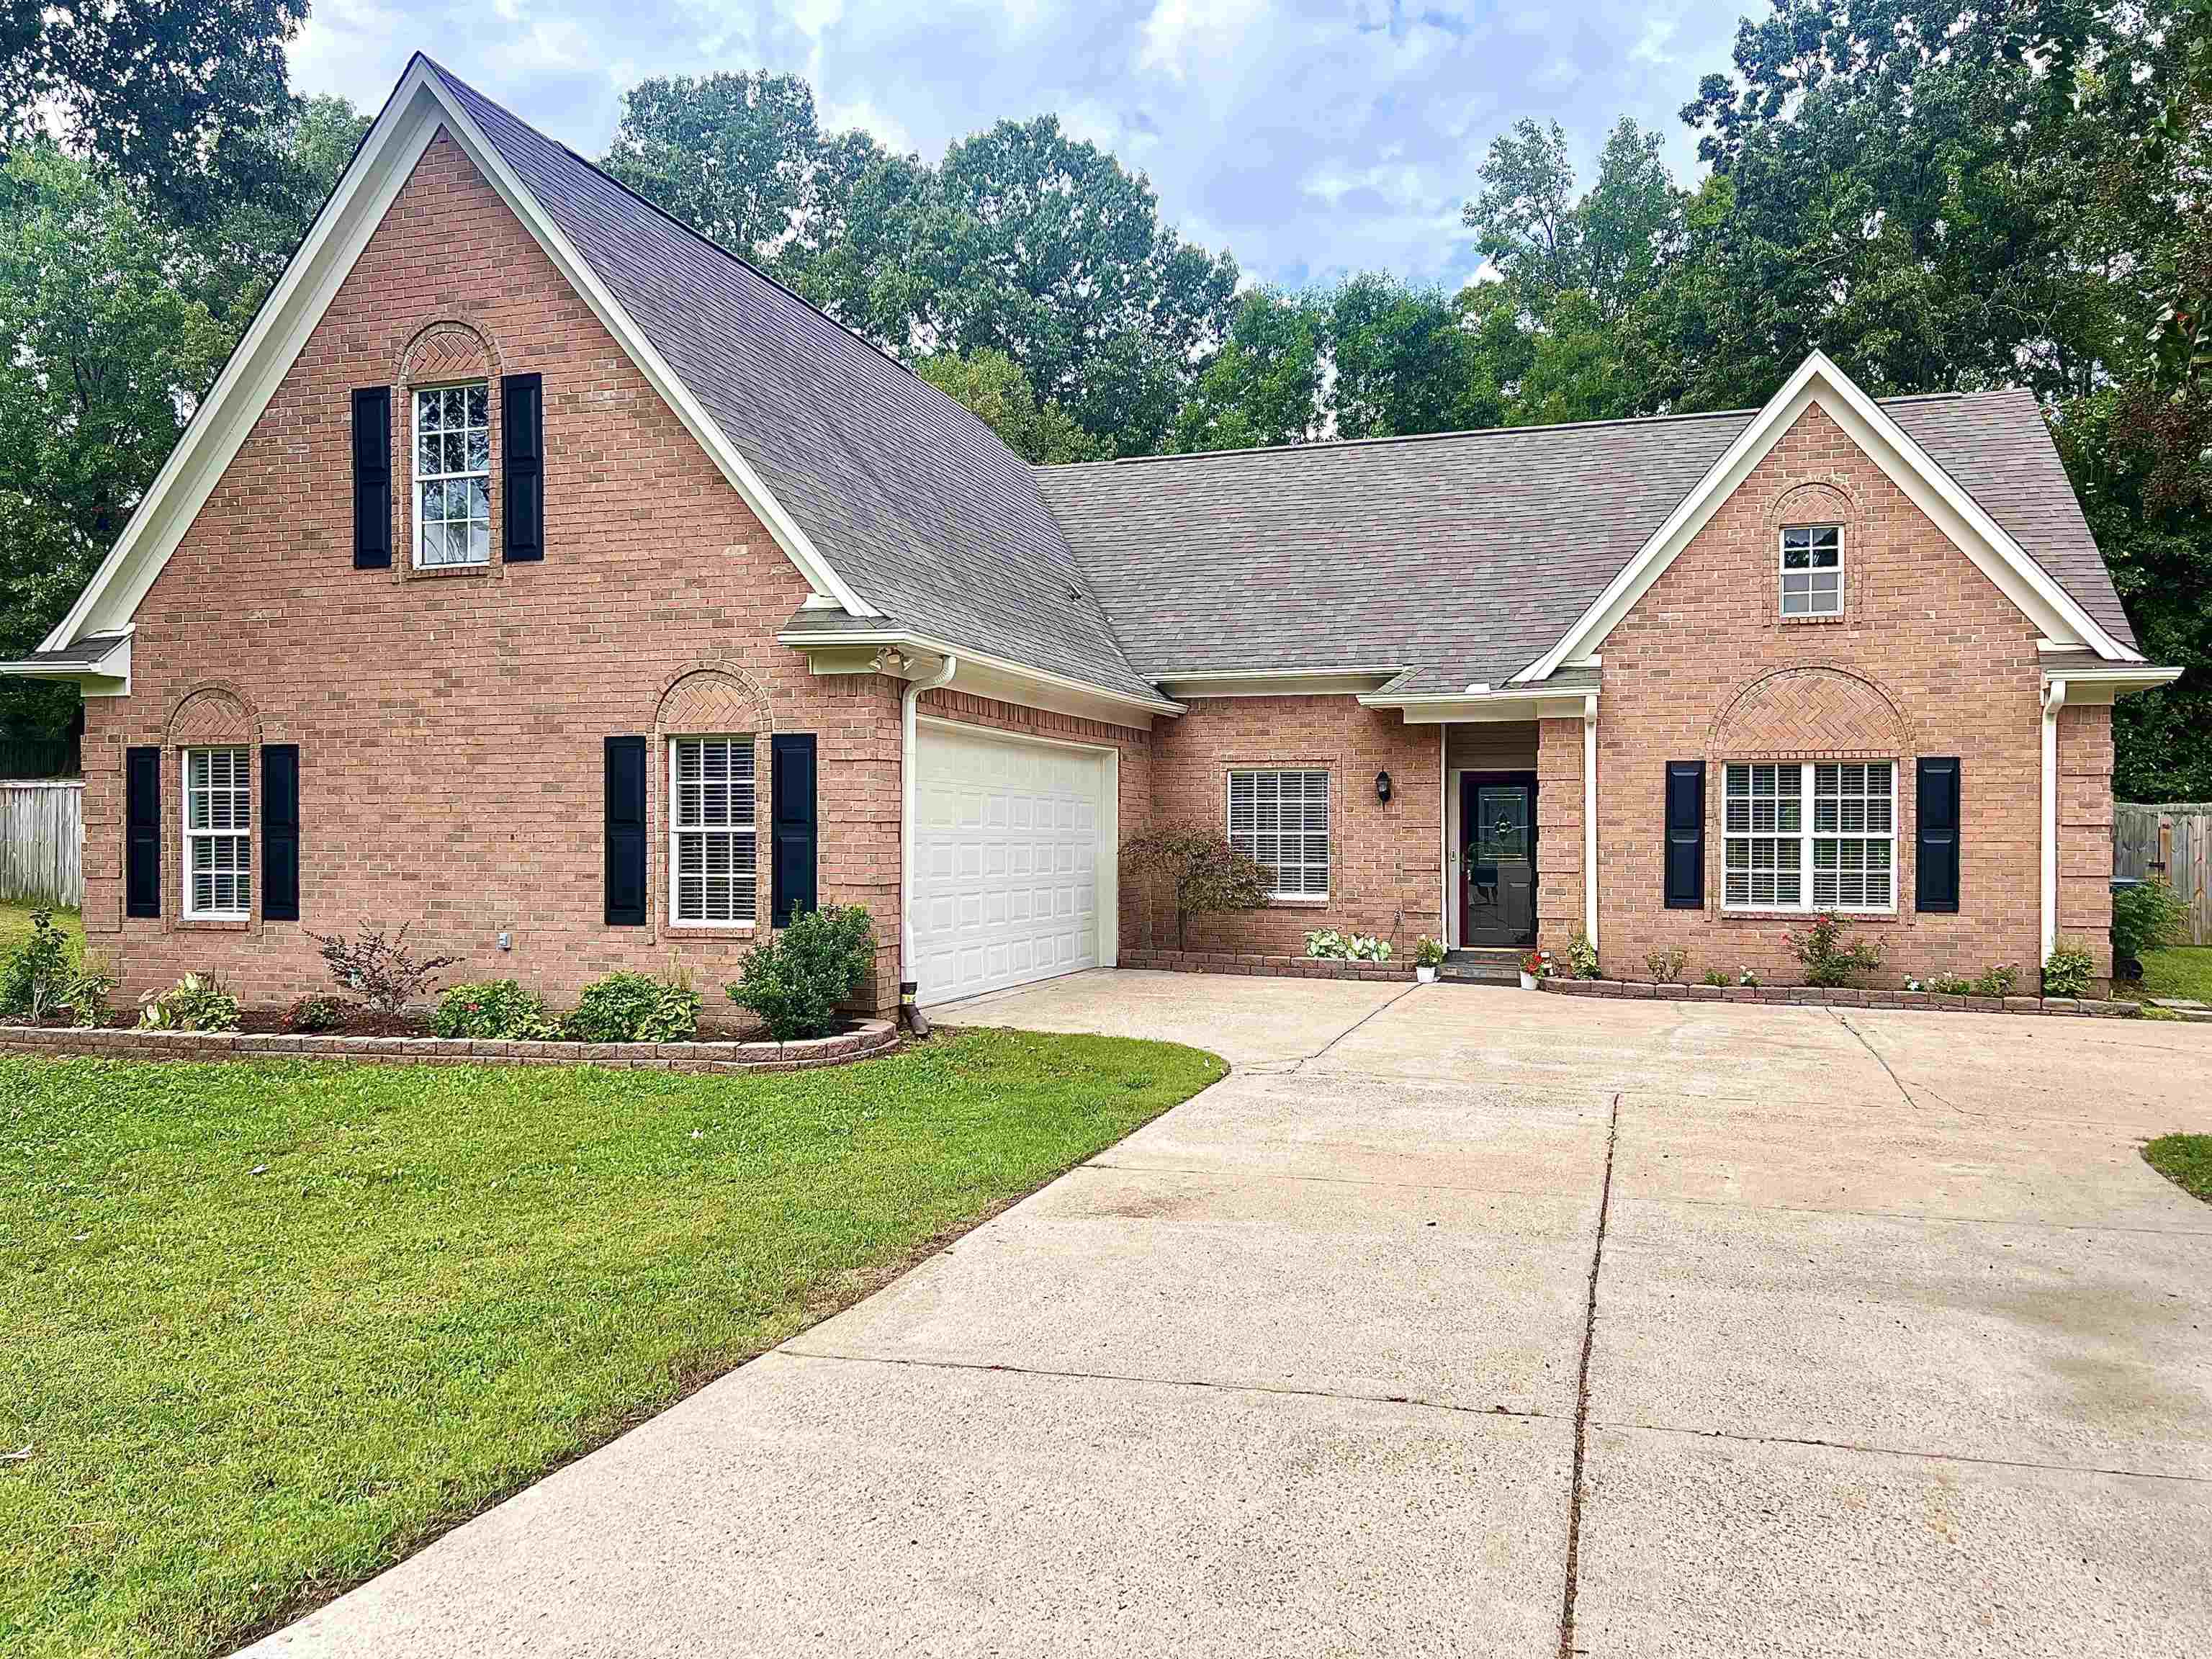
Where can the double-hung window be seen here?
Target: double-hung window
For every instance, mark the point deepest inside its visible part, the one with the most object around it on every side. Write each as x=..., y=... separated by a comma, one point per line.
x=1812, y=570
x=453, y=475
x=1839, y=855
x=218, y=833
x=713, y=877
x=1280, y=820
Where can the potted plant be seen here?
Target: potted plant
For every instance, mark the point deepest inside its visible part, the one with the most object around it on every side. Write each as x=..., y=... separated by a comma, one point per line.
x=1428, y=957
x=1536, y=965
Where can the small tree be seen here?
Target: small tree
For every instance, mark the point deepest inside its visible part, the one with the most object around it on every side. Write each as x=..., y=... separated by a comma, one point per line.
x=1203, y=872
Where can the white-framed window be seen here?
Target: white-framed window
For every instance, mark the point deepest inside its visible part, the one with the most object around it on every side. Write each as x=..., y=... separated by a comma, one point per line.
x=1280, y=820
x=453, y=475
x=1812, y=570
x=713, y=877
x=219, y=833
x=1840, y=855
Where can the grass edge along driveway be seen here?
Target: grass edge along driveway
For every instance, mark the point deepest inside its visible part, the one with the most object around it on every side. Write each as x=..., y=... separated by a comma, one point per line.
x=267, y=1328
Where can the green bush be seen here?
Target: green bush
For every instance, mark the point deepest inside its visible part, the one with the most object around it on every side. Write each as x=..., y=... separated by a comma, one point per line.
x=797, y=981
x=495, y=1010
x=1581, y=956
x=1666, y=966
x=313, y=1012
x=2146, y=918
x=1829, y=959
x=1714, y=976
x=1999, y=980
x=2068, y=971
x=196, y=1002
x=634, y=1008
x=1951, y=985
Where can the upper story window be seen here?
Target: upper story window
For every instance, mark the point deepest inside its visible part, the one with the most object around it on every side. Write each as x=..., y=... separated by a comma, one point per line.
x=453, y=475
x=1841, y=857
x=1812, y=570
x=218, y=833
x=713, y=877
x=1280, y=820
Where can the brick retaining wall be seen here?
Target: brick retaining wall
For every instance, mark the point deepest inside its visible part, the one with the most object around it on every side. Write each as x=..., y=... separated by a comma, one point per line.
x=1227, y=962
x=1813, y=996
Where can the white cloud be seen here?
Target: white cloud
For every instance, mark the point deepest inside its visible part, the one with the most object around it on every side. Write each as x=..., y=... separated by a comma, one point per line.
x=1180, y=31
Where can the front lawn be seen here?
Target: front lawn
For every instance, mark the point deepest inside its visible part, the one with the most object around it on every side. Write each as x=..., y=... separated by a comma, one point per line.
x=2185, y=1160
x=2186, y=970
x=265, y=1328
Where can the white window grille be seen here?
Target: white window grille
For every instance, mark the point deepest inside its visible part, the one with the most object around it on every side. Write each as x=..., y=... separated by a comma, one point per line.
x=453, y=475
x=218, y=833
x=1812, y=570
x=1842, y=857
x=713, y=877
x=1280, y=820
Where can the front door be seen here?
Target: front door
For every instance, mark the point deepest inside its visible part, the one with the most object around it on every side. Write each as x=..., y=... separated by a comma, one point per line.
x=1498, y=868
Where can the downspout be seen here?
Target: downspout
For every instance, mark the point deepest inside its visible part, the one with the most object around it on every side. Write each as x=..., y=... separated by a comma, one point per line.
x=2054, y=699
x=907, y=1004
x=1589, y=818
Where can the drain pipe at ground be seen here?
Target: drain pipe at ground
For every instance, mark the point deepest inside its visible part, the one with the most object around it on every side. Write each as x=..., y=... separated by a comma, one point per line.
x=909, y=1006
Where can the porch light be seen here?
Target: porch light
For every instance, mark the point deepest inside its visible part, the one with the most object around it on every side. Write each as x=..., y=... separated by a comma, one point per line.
x=1382, y=787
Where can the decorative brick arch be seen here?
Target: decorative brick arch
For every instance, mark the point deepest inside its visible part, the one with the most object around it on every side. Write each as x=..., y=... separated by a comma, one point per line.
x=214, y=712
x=712, y=697
x=1829, y=498
x=1810, y=709
x=447, y=350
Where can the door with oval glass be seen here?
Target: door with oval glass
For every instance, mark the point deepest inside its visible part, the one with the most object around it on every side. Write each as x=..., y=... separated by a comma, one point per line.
x=1497, y=865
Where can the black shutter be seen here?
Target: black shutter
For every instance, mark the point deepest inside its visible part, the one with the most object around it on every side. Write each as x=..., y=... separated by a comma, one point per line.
x=625, y=791
x=280, y=832
x=142, y=832
x=372, y=477
x=1937, y=821
x=792, y=782
x=522, y=485
x=1686, y=835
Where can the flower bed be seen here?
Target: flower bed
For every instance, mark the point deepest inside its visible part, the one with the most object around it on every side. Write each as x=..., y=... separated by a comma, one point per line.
x=1227, y=962
x=868, y=1037
x=1813, y=996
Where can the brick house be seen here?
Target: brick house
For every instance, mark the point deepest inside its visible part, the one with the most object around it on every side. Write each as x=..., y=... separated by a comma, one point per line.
x=541, y=575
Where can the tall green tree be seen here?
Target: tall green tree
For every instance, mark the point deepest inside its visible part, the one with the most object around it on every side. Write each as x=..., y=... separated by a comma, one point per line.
x=1264, y=385
x=991, y=386
x=1406, y=361
x=741, y=158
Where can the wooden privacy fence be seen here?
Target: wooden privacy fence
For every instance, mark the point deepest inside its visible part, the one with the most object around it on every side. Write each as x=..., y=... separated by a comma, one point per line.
x=42, y=842
x=2174, y=841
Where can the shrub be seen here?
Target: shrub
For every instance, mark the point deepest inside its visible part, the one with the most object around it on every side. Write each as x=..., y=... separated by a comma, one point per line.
x=35, y=980
x=90, y=986
x=1746, y=978
x=634, y=1008
x=196, y=1002
x=2068, y=971
x=1581, y=956
x=1951, y=985
x=1428, y=952
x=495, y=1010
x=1714, y=976
x=1327, y=945
x=1200, y=869
x=382, y=972
x=2146, y=917
x=316, y=1011
x=1997, y=981
x=797, y=981
x=1829, y=959
x=1666, y=966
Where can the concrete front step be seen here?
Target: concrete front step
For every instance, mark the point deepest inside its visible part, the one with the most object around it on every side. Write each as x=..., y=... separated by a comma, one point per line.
x=1482, y=965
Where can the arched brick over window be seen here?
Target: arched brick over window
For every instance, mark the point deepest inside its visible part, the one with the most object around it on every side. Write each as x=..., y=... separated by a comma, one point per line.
x=1812, y=710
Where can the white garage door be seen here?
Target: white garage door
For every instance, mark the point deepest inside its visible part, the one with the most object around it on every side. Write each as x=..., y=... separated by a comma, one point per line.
x=1012, y=861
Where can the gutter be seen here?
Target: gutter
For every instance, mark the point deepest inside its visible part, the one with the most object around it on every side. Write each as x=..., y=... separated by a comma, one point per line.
x=2054, y=700
x=908, y=1005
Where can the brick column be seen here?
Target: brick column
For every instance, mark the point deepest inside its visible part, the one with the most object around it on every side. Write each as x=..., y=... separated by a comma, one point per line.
x=1559, y=832
x=2085, y=831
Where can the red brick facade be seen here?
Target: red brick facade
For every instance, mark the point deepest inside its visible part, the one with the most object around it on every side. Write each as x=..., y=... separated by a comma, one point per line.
x=450, y=723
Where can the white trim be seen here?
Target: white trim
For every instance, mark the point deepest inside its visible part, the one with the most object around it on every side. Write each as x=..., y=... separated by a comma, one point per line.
x=907, y=744
x=1953, y=511
x=1270, y=682
x=420, y=480
x=1327, y=774
x=676, y=829
x=2104, y=684
x=107, y=676
x=1460, y=707
x=840, y=653
x=1783, y=571
x=187, y=834
x=1589, y=818
x=1447, y=810
x=402, y=131
x=1805, y=835
x=2054, y=699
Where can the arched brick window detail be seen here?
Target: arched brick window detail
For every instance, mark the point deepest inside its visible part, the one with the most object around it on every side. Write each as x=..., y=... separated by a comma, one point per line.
x=444, y=353
x=707, y=701
x=1807, y=711
x=212, y=714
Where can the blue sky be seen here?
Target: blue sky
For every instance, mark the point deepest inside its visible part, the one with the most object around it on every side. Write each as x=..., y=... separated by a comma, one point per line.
x=1307, y=138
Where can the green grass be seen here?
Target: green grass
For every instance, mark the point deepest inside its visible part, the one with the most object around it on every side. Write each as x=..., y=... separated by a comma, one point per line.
x=2186, y=970
x=2185, y=1160
x=264, y=1329
x=15, y=924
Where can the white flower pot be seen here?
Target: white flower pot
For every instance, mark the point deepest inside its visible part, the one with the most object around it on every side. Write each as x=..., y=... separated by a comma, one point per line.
x=1426, y=976
x=1528, y=981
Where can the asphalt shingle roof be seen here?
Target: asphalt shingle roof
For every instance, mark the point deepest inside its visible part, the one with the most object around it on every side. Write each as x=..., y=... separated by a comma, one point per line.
x=1464, y=557
x=1445, y=560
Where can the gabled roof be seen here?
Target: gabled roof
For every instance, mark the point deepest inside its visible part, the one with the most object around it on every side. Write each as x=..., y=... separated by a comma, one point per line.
x=1468, y=557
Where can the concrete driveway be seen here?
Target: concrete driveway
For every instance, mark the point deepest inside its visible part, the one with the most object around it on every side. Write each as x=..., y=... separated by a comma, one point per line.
x=1459, y=1321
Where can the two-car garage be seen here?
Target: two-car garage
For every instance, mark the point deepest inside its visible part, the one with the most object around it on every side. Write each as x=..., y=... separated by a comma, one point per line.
x=1013, y=859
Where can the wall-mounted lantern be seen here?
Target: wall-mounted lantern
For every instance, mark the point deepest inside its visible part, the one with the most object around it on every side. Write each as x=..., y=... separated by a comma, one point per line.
x=1382, y=787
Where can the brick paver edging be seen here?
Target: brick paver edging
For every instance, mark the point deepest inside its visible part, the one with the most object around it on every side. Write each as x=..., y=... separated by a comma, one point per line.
x=873, y=1036
x=1813, y=996
x=1227, y=962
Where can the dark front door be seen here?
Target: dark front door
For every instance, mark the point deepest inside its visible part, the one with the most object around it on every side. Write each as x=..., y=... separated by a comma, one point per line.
x=1498, y=863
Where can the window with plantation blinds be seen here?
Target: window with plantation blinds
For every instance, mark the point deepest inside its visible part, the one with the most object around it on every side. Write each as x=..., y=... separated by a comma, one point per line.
x=218, y=833
x=1280, y=820
x=1841, y=855
x=713, y=876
